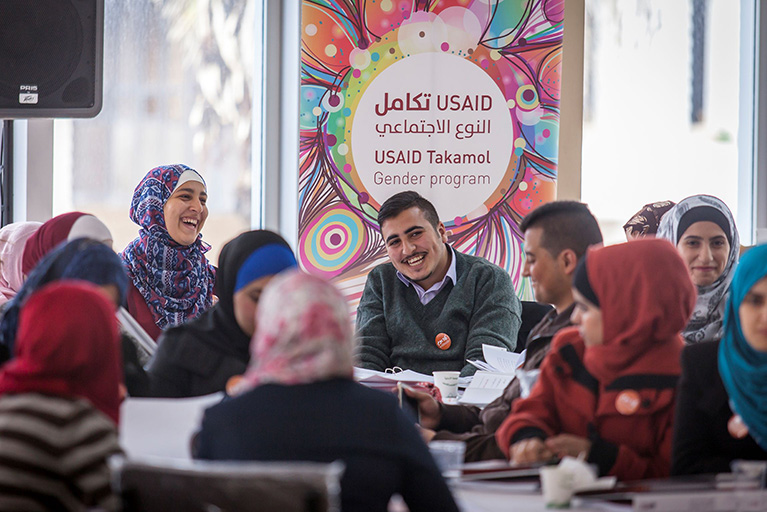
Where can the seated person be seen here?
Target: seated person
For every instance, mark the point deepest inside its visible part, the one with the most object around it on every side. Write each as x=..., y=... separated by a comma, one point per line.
x=607, y=388
x=199, y=357
x=557, y=235
x=303, y=404
x=62, y=228
x=703, y=230
x=60, y=402
x=87, y=260
x=24, y=244
x=432, y=307
x=13, y=237
x=721, y=413
x=171, y=279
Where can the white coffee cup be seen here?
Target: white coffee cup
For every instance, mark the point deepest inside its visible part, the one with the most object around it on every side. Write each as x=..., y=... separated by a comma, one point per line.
x=447, y=383
x=556, y=485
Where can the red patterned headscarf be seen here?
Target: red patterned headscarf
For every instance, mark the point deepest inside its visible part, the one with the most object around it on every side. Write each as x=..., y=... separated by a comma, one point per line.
x=68, y=345
x=303, y=332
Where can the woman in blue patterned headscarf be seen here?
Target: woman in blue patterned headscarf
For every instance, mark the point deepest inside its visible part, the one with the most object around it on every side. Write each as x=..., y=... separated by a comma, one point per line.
x=172, y=280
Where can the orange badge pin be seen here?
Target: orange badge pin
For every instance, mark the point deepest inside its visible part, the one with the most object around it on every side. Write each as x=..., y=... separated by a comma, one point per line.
x=233, y=383
x=736, y=427
x=443, y=341
x=627, y=402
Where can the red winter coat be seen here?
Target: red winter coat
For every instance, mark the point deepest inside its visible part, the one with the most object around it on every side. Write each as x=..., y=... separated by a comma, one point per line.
x=620, y=394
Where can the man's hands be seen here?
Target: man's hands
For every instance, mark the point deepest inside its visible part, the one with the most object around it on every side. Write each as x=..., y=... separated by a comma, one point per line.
x=427, y=434
x=429, y=414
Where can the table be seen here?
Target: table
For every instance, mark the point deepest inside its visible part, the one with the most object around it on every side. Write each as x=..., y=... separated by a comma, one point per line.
x=512, y=496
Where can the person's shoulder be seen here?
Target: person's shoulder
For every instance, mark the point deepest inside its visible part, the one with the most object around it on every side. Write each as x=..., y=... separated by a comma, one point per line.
x=381, y=276
x=221, y=413
x=383, y=270
x=183, y=347
x=703, y=355
x=480, y=265
x=568, y=336
x=373, y=396
x=55, y=410
x=184, y=333
x=176, y=342
x=703, y=349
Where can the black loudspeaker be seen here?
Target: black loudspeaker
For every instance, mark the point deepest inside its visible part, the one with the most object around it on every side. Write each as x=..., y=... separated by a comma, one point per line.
x=51, y=58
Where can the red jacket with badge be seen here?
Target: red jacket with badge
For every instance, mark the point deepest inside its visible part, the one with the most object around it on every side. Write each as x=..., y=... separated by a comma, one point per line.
x=620, y=394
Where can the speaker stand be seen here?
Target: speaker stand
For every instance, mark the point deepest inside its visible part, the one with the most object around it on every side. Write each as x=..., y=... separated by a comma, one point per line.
x=6, y=173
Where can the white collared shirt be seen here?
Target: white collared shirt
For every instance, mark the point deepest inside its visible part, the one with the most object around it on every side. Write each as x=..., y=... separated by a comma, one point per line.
x=425, y=296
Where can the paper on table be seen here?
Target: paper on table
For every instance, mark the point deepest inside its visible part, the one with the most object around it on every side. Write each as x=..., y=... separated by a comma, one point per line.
x=373, y=377
x=501, y=359
x=364, y=375
x=485, y=387
x=162, y=427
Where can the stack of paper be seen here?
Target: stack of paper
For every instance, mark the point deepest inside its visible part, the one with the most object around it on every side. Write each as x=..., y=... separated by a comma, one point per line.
x=485, y=387
x=494, y=374
x=498, y=360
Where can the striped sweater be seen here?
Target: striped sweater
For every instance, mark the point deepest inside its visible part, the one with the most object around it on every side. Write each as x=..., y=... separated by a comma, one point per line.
x=53, y=454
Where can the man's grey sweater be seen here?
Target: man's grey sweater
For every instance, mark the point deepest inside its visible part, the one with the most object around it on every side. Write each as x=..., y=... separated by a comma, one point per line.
x=395, y=329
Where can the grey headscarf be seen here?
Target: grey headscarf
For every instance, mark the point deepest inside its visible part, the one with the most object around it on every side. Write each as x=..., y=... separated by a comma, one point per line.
x=706, y=321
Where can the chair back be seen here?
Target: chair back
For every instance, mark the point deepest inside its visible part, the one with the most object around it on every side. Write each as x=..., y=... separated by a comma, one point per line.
x=227, y=486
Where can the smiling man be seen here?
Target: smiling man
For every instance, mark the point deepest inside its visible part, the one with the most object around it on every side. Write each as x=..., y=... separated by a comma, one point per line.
x=557, y=235
x=431, y=308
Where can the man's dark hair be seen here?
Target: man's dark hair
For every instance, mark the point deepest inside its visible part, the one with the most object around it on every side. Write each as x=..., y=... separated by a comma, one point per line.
x=402, y=201
x=564, y=225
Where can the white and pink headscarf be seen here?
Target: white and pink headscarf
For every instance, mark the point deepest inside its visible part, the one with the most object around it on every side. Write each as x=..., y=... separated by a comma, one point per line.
x=12, y=240
x=303, y=333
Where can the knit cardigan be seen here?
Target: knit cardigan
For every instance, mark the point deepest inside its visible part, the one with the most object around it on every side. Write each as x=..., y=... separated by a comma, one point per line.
x=395, y=329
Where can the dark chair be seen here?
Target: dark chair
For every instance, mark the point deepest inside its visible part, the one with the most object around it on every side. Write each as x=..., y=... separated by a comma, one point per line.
x=230, y=486
x=532, y=313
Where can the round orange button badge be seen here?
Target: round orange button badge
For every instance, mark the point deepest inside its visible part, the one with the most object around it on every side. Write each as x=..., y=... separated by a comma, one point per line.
x=233, y=383
x=443, y=341
x=627, y=402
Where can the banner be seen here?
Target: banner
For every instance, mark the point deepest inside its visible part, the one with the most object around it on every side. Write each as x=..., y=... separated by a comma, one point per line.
x=455, y=99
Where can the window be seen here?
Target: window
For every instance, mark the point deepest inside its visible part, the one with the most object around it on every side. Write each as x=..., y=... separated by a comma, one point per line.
x=177, y=89
x=661, y=105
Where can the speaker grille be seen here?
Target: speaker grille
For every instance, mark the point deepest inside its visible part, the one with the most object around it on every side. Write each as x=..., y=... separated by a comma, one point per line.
x=40, y=44
x=51, y=58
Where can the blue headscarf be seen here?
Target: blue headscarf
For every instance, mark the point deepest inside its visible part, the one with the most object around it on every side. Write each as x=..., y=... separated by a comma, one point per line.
x=81, y=259
x=250, y=256
x=744, y=369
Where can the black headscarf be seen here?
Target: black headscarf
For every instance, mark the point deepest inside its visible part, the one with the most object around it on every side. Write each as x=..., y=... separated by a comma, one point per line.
x=218, y=326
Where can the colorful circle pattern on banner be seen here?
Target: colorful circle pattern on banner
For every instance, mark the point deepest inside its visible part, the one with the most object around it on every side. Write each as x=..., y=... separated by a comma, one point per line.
x=334, y=239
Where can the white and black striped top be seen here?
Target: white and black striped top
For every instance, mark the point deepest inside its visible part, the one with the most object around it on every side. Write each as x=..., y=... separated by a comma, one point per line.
x=53, y=454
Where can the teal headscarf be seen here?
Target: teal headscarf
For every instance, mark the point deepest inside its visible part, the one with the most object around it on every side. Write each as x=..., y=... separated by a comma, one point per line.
x=744, y=369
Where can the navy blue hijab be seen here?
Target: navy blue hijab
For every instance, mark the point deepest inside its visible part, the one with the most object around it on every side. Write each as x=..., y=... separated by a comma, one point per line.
x=81, y=259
